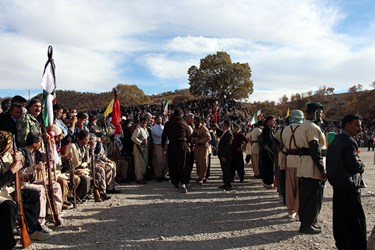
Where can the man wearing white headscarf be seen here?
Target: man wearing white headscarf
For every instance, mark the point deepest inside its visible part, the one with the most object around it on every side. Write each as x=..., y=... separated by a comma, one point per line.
x=290, y=148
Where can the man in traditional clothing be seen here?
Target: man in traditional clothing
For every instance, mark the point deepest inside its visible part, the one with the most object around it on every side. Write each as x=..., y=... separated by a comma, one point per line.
x=10, y=163
x=290, y=149
x=237, y=164
x=253, y=137
x=267, y=152
x=178, y=133
x=159, y=159
x=200, y=140
x=140, y=150
x=311, y=170
x=29, y=122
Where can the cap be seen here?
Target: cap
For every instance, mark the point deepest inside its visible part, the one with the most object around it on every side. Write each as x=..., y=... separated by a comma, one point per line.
x=296, y=117
x=312, y=107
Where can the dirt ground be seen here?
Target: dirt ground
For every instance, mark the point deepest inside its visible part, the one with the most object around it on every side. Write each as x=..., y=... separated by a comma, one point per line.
x=154, y=216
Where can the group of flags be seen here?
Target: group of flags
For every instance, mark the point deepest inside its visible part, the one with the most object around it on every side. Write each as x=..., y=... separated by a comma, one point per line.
x=49, y=85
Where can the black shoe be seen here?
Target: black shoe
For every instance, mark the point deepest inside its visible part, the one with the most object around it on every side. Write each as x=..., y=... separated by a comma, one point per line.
x=317, y=226
x=164, y=178
x=105, y=196
x=309, y=230
x=113, y=191
x=225, y=188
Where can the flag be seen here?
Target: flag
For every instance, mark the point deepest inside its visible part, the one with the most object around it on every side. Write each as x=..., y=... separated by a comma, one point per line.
x=108, y=110
x=164, y=105
x=215, y=119
x=116, y=116
x=287, y=113
x=256, y=117
x=49, y=85
x=114, y=107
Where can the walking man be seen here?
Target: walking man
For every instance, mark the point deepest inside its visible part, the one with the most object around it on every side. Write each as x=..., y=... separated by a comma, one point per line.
x=178, y=133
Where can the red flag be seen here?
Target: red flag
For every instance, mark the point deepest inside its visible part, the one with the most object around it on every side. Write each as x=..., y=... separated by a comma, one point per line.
x=116, y=114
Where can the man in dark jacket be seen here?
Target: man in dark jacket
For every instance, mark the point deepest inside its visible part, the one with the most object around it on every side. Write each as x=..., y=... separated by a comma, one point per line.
x=224, y=152
x=178, y=133
x=344, y=169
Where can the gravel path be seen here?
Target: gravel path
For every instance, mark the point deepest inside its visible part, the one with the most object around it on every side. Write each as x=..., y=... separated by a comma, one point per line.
x=154, y=216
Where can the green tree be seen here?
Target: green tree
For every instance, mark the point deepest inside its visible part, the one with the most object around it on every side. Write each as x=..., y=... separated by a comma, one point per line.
x=218, y=77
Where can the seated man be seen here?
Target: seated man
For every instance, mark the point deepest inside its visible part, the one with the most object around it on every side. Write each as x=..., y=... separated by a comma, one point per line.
x=108, y=165
x=81, y=160
x=33, y=175
x=11, y=162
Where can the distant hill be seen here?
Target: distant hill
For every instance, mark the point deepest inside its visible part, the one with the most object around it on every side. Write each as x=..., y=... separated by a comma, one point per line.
x=335, y=105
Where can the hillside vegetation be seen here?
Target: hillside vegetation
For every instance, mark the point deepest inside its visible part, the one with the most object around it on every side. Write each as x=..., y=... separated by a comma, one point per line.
x=335, y=105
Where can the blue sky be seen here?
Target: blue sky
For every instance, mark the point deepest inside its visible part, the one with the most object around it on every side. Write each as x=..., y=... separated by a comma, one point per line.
x=291, y=45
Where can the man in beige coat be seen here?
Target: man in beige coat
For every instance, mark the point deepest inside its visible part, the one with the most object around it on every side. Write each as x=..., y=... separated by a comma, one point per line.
x=255, y=148
x=200, y=141
x=290, y=148
x=311, y=170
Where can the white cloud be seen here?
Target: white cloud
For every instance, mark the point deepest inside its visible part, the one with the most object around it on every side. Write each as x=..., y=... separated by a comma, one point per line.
x=168, y=68
x=290, y=44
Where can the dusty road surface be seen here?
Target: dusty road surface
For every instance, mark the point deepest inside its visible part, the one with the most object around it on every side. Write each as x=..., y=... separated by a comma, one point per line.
x=154, y=216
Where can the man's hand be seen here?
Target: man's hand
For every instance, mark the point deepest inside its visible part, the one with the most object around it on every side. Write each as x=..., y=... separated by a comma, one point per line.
x=17, y=162
x=39, y=166
x=323, y=176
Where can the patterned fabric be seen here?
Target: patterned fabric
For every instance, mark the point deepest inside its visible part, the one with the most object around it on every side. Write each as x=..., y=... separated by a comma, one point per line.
x=5, y=140
x=26, y=124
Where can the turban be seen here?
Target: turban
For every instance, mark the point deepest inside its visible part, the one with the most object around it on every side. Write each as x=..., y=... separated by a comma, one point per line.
x=5, y=140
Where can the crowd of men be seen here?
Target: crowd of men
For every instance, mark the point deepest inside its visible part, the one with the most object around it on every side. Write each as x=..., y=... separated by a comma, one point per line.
x=87, y=160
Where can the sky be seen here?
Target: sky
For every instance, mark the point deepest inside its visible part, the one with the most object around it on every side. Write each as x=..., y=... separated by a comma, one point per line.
x=292, y=46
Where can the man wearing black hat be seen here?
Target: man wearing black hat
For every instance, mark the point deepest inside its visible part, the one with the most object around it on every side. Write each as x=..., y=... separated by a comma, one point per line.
x=311, y=145
x=178, y=133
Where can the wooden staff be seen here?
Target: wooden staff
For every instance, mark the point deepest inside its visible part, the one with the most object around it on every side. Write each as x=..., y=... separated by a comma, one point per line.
x=72, y=185
x=55, y=218
x=25, y=238
x=93, y=180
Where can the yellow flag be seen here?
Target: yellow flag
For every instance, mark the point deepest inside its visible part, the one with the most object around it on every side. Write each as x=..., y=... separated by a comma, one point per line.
x=108, y=110
x=287, y=113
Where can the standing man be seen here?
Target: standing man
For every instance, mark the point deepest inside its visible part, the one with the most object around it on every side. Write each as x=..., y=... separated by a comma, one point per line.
x=178, y=133
x=254, y=134
x=292, y=158
x=140, y=150
x=311, y=171
x=159, y=159
x=200, y=141
x=224, y=153
x=267, y=153
x=237, y=164
x=345, y=169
